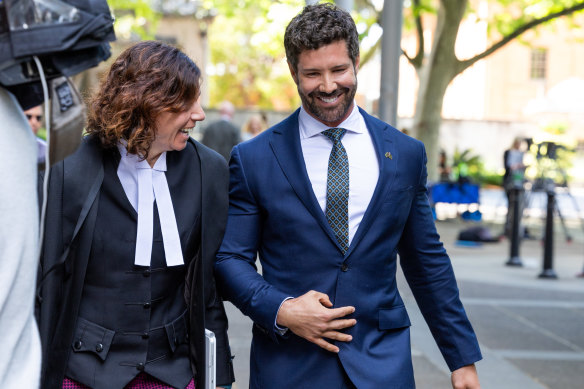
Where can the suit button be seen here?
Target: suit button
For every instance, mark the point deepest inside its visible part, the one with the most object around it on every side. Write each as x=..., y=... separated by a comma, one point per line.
x=99, y=347
x=146, y=305
x=77, y=345
x=146, y=273
x=145, y=335
x=344, y=267
x=140, y=367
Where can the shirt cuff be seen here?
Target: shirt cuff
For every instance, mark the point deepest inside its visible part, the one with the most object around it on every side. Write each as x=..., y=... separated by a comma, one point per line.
x=281, y=330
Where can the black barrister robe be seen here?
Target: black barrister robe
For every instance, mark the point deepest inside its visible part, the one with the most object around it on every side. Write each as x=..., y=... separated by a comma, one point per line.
x=71, y=213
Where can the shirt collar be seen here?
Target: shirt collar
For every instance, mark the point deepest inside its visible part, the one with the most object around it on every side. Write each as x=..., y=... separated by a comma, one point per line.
x=310, y=126
x=133, y=160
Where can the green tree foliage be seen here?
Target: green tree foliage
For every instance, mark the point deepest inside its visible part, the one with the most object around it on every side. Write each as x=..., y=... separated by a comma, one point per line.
x=507, y=20
x=248, y=64
x=436, y=62
x=135, y=19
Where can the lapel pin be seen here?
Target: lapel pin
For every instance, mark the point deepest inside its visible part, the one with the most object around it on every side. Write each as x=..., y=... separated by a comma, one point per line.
x=388, y=155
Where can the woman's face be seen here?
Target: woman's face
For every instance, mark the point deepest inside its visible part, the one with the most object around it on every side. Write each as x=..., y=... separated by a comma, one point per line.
x=172, y=130
x=255, y=125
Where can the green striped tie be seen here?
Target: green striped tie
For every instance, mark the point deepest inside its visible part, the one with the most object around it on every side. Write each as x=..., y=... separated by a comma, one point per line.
x=337, y=188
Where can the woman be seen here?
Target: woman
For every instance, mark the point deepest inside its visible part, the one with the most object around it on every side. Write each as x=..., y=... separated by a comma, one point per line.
x=254, y=125
x=134, y=218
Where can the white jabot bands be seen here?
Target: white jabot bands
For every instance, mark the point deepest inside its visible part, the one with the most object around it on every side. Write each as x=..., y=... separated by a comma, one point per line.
x=142, y=185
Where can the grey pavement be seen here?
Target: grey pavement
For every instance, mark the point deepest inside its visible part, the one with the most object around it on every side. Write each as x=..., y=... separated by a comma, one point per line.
x=531, y=330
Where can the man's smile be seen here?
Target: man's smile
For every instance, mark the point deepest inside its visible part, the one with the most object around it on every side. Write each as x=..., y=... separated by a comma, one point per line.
x=328, y=98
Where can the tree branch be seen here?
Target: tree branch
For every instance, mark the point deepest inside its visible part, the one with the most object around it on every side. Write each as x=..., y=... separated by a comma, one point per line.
x=370, y=4
x=410, y=60
x=419, y=58
x=463, y=65
x=369, y=54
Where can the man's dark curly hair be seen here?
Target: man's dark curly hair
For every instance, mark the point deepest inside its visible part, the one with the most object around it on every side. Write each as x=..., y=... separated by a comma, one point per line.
x=145, y=80
x=319, y=25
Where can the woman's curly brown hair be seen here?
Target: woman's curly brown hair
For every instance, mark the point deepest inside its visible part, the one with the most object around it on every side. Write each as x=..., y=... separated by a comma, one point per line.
x=145, y=80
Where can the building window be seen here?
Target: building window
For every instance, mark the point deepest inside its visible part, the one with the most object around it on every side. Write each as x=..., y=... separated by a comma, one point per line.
x=538, y=63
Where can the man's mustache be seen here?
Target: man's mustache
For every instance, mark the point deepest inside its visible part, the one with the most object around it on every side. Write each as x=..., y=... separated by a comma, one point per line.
x=335, y=93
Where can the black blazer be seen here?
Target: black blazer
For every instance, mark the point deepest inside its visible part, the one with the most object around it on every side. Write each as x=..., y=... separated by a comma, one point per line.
x=70, y=219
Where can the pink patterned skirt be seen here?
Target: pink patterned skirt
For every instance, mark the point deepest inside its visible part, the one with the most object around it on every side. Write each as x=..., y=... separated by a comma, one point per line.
x=142, y=381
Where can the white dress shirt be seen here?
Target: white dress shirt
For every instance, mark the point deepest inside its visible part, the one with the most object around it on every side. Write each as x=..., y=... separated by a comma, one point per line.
x=363, y=162
x=142, y=185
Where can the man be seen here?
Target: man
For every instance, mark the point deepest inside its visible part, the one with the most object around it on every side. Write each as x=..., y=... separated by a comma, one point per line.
x=326, y=309
x=35, y=120
x=513, y=180
x=222, y=135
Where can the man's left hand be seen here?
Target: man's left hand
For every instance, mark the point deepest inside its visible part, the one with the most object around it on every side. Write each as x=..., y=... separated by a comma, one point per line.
x=465, y=378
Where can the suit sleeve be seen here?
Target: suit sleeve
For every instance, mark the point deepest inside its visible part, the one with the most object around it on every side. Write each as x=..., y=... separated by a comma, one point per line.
x=235, y=269
x=429, y=273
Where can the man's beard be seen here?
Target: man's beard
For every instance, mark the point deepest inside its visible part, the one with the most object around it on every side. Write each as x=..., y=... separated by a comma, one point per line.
x=329, y=115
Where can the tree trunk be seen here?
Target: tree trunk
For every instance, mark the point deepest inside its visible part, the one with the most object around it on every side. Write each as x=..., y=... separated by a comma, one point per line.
x=438, y=70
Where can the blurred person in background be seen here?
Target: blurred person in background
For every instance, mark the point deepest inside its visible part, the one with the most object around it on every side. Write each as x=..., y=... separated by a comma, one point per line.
x=134, y=219
x=35, y=120
x=253, y=126
x=513, y=180
x=443, y=167
x=222, y=134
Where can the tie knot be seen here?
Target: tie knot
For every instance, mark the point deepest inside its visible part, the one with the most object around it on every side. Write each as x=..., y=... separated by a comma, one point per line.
x=334, y=134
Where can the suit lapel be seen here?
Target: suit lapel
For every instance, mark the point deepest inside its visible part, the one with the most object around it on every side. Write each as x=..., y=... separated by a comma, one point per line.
x=285, y=143
x=388, y=157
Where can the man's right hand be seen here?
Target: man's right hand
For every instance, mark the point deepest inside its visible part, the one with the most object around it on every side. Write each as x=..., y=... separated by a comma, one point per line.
x=310, y=316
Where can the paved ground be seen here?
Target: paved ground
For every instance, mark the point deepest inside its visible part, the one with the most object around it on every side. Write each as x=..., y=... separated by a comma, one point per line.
x=531, y=330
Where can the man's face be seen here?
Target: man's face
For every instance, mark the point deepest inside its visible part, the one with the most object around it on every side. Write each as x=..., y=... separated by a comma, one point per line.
x=35, y=118
x=327, y=82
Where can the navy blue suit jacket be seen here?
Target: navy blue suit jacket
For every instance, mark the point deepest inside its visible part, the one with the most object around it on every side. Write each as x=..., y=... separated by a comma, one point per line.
x=274, y=212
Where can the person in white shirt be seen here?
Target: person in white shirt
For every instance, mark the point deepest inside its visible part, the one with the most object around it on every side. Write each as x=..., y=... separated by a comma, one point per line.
x=328, y=198
x=134, y=219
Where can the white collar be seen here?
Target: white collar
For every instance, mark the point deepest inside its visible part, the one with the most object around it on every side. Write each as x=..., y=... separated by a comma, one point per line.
x=133, y=161
x=309, y=126
x=142, y=185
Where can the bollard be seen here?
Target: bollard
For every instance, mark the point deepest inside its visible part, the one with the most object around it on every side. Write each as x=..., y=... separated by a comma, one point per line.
x=514, y=259
x=548, y=248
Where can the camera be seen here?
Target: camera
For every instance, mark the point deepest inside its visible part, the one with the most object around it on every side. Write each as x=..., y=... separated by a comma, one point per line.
x=42, y=43
x=68, y=36
x=548, y=150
